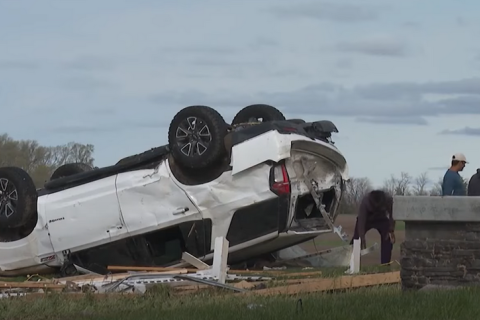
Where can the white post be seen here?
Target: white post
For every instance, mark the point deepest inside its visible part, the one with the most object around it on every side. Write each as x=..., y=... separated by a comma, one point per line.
x=220, y=256
x=355, y=258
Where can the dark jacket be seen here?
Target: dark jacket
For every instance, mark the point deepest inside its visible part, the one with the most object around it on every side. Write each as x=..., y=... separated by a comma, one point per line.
x=474, y=184
x=368, y=212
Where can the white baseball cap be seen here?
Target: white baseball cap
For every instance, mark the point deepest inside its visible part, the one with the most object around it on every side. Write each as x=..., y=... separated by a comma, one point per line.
x=459, y=157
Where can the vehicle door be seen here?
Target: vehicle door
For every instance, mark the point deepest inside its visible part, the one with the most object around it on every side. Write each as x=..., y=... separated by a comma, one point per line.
x=150, y=201
x=84, y=216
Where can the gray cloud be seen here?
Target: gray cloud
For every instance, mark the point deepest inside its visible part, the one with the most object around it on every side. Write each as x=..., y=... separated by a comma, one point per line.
x=78, y=129
x=18, y=64
x=412, y=24
x=90, y=63
x=224, y=61
x=438, y=168
x=87, y=83
x=461, y=22
x=344, y=63
x=419, y=121
x=467, y=131
x=111, y=127
x=198, y=48
x=376, y=46
x=321, y=10
x=394, y=102
x=264, y=42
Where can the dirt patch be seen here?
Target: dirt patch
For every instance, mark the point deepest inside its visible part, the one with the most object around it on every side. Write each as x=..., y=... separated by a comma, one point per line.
x=348, y=224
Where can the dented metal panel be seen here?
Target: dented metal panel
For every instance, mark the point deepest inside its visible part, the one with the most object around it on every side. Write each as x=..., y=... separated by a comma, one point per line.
x=275, y=146
x=219, y=199
x=150, y=200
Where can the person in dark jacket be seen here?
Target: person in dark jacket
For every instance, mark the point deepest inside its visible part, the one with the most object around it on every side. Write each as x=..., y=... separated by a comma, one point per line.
x=375, y=212
x=452, y=181
x=474, y=184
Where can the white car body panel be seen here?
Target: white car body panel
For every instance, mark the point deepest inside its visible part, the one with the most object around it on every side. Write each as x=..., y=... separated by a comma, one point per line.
x=26, y=252
x=219, y=199
x=275, y=146
x=150, y=200
x=89, y=211
x=139, y=201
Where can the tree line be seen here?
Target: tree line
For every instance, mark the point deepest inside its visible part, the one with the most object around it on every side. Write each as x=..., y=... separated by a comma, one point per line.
x=40, y=161
x=403, y=185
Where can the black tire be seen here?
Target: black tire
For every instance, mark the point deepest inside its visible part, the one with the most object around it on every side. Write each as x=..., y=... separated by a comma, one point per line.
x=69, y=169
x=18, y=198
x=297, y=121
x=193, y=147
x=256, y=111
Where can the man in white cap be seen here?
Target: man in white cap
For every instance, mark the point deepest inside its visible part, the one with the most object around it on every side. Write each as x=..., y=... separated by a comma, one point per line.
x=452, y=181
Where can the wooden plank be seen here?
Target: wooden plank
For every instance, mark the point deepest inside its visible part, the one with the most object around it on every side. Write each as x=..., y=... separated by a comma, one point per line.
x=302, y=274
x=153, y=269
x=31, y=285
x=197, y=263
x=326, y=284
x=257, y=271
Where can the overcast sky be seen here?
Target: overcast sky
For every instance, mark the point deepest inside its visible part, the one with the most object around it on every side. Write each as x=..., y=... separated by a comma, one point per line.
x=400, y=79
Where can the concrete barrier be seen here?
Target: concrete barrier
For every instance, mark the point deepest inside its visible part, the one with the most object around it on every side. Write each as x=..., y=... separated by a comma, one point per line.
x=442, y=240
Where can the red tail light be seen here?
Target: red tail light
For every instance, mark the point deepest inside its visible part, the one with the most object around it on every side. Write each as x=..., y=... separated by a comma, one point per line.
x=279, y=180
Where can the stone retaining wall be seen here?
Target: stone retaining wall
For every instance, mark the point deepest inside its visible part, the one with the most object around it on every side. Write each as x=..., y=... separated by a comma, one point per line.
x=441, y=246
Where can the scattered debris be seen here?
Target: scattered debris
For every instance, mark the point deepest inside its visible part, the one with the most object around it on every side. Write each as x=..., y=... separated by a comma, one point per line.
x=136, y=280
x=328, y=284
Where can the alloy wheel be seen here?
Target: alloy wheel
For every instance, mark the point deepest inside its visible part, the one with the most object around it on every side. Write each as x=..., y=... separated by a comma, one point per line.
x=8, y=198
x=193, y=136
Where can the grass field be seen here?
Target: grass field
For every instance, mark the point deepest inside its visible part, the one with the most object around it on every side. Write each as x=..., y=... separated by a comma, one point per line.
x=372, y=303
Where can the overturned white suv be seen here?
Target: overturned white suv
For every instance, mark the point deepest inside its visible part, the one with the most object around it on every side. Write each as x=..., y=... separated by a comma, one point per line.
x=263, y=184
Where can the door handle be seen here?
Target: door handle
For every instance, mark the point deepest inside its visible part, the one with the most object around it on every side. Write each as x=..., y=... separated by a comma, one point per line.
x=180, y=211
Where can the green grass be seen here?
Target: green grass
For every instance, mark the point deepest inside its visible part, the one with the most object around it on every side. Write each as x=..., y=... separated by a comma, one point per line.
x=383, y=303
x=399, y=225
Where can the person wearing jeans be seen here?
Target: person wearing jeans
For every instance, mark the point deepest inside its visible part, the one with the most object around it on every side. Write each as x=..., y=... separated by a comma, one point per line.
x=375, y=212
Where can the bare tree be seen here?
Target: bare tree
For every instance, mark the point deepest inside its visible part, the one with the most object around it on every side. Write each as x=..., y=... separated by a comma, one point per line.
x=420, y=184
x=403, y=184
x=40, y=161
x=436, y=190
x=389, y=185
x=398, y=186
x=355, y=190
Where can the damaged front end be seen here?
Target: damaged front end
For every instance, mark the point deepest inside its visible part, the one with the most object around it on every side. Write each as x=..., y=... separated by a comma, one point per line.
x=317, y=175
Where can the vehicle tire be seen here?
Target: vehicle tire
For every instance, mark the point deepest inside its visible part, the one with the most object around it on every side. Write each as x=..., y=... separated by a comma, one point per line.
x=69, y=169
x=255, y=112
x=297, y=121
x=18, y=197
x=195, y=137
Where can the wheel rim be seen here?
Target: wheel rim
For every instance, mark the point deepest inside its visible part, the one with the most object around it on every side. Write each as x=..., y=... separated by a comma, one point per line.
x=193, y=136
x=8, y=198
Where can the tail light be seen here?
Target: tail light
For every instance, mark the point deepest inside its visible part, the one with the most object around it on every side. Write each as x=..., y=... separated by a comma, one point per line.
x=279, y=180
